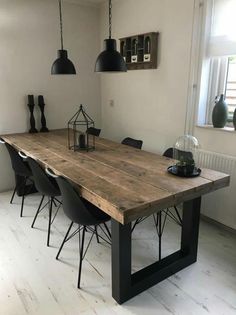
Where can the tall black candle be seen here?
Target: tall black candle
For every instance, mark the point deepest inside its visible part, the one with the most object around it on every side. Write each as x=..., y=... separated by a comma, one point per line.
x=41, y=105
x=82, y=141
x=31, y=109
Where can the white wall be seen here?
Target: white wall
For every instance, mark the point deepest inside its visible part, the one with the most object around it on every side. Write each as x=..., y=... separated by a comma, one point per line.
x=29, y=35
x=216, y=140
x=149, y=104
x=219, y=205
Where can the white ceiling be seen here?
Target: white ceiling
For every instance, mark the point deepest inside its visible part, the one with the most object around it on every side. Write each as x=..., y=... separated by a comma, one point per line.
x=88, y=2
x=96, y=1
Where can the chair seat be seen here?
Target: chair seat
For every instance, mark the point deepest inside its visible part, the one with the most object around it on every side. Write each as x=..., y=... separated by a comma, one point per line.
x=98, y=214
x=56, y=191
x=83, y=213
x=133, y=143
x=24, y=172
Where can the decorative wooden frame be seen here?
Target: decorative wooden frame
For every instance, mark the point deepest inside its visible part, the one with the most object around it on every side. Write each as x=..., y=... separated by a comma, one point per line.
x=140, y=51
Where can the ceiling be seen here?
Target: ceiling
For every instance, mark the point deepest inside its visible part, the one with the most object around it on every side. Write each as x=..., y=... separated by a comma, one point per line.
x=96, y=1
x=88, y=2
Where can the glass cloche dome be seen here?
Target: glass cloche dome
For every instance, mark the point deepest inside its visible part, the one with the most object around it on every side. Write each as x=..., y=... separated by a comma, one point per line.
x=185, y=152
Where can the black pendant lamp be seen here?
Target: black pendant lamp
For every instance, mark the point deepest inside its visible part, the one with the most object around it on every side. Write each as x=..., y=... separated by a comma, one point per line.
x=62, y=65
x=110, y=60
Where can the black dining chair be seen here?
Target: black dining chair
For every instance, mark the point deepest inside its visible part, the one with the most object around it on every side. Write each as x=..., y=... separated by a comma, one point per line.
x=173, y=213
x=94, y=131
x=138, y=145
x=85, y=214
x=47, y=187
x=133, y=143
x=176, y=154
x=160, y=217
x=23, y=175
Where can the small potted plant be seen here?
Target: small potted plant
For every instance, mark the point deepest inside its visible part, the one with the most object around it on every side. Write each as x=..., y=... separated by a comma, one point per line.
x=185, y=166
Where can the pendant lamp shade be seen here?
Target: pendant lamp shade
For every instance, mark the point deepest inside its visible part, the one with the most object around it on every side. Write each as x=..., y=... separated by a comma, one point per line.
x=62, y=65
x=110, y=60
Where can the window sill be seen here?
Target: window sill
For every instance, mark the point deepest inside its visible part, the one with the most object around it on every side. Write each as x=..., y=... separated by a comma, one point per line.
x=210, y=127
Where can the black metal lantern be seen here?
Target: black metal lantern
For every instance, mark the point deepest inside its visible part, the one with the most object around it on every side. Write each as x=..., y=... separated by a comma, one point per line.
x=79, y=139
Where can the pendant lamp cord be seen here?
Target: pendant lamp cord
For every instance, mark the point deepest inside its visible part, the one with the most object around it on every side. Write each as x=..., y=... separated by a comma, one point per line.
x=110, y=18
x=61, y=25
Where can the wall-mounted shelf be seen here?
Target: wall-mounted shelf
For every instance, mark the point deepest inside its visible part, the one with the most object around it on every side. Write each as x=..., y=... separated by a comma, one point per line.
x=140, y=51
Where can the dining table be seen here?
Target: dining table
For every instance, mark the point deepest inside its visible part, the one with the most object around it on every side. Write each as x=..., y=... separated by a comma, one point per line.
x=128, y=184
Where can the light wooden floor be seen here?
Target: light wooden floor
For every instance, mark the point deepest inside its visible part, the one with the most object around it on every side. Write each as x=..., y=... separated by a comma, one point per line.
x=33, y=282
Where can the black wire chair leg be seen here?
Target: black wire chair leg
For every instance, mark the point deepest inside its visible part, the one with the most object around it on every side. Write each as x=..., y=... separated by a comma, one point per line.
x=54, y=202
x=22, y=206
x=49, y=221
x=96, y=232
x=135, y=223
x=23, y=198
x=156, y=222
x=81, y=258
x=64, y=240
x=178, y=215
x=13, y=195
x=58, y=207
x=160, y=233
x=37, y=212
x=108, y=231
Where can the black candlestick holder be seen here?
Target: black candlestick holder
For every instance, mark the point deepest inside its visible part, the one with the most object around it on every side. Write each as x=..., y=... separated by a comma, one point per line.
x=31, y=109
x=43, y=119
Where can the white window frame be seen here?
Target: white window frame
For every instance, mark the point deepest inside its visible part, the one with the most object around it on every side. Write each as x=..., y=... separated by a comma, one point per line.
x=207, y=77
x=216, y=85
x=213, y=74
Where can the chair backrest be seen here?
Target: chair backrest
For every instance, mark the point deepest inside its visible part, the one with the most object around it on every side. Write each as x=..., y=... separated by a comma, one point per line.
x=73, y=205
x=18, y=165
x=170, y=154
x=45, y=185
x=133, y=142
x=94, y=131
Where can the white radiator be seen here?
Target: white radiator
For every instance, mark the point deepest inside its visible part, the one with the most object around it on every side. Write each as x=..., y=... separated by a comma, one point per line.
x=216, y=161
x=220, y=205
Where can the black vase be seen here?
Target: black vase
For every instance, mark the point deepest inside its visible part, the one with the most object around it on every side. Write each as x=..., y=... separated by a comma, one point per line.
x=220, y=113
x=234, y=119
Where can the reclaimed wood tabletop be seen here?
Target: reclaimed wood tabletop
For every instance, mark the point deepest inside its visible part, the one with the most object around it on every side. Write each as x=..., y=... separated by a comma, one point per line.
x=124, y=182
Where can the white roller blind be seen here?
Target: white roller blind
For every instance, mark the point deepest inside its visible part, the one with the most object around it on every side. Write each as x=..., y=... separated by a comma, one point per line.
x=222, y=41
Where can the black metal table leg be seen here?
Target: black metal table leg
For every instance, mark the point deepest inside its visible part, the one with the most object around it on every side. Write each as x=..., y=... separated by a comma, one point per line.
x=121, y=261
x=126, y=285
x=190, y=228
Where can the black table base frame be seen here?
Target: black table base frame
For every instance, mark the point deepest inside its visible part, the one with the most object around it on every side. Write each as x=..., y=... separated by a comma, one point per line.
x=126, y=285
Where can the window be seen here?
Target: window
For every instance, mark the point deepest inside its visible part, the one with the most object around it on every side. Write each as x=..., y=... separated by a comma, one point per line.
x=220, y=60
x=230, y=87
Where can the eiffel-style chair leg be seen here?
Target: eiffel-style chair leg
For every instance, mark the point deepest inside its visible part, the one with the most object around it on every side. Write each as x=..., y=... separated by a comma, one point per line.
x=134, y=225
x=160, y=232
x=178, y=215
x=108, y=231
x=64, y=240
x=49, y=220
x=36, y=215
x=96, y=232
x=23, y=198
x=81, y=257
x=13, y=195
